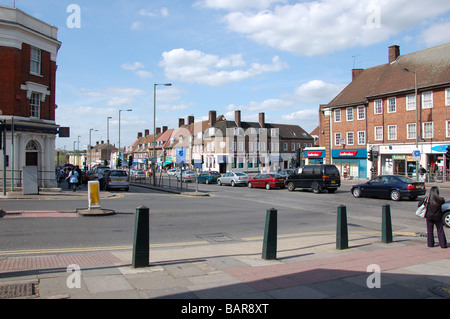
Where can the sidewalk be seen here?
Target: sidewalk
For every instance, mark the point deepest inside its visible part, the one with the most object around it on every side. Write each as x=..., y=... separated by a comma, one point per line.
x=308, y=266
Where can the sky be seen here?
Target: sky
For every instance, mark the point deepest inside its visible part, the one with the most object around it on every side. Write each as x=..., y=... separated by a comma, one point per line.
x=280, y=57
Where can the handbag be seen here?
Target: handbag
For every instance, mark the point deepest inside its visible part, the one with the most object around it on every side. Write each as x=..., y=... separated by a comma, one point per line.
x=422, y=210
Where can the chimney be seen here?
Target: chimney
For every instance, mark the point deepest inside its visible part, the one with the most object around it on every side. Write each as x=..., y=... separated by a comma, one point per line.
x=158, y=130
x=262, y=120
x=165, y=128
x=180, y=122
x=147, y=132
x=356, y=73
x=394, y=53
x=191, y=120
x=212, y=118
x=237, y=118
x=139, y=135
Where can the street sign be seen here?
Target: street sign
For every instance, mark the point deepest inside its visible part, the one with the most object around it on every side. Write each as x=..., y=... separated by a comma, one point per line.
x=416, y=155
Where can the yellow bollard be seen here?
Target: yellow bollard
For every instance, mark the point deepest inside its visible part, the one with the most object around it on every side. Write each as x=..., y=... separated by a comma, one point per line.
x=94, y=194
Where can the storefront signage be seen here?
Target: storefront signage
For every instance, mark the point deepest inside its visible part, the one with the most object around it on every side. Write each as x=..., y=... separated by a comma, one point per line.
x=314, y=154
x=348, y=153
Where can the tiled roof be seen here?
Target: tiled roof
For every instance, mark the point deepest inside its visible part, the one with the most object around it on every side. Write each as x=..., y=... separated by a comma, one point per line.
x=431, y=65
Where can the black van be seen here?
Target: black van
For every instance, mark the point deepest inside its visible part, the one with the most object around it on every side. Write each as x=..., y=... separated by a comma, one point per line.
x=315, y=177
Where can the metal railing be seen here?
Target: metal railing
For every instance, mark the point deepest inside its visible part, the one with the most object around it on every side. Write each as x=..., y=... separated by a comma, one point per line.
x=14, y=179
x=165, y=182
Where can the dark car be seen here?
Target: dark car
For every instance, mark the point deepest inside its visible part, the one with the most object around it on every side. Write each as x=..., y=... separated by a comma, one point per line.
x=446, y=217
x=315, y=177
x=390, y=186
x=267, y=180
x=208, y=177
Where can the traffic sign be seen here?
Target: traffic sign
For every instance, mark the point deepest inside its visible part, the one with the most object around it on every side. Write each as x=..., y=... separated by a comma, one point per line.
x=416, y=155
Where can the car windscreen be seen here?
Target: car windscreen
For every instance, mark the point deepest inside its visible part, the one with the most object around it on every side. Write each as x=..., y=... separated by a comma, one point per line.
x=240, y=174
x=117, y=173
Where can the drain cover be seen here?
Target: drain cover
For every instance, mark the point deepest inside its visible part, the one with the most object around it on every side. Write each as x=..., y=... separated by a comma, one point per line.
x=217, y=237
x=441, y=291
x=18, y=290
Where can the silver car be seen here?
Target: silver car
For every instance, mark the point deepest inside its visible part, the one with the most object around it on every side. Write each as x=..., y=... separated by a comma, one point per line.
x=116, y=179
x=233, y=179
x=188, y=176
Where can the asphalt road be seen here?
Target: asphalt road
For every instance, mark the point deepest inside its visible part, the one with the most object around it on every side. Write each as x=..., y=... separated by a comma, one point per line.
x=227, y=214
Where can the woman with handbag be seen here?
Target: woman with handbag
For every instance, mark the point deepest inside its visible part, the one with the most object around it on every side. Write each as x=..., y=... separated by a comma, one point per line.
x=434, y=216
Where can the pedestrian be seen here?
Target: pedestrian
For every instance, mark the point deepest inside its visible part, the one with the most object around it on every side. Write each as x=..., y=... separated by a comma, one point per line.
x=73, y=179
x=79, y=176
x=101, y=178
x=422, y=172
x=434, y=218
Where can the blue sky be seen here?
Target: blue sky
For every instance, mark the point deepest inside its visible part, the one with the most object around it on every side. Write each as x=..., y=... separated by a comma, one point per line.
x=281, y=57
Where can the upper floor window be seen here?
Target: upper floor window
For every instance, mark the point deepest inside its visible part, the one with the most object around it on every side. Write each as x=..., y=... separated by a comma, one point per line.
x=35, y=61
x=350, y=114
x=411, y=131
x=378, y=133
x=350, y=138
x=392, y=105
x=447, y=97
x=337, y=139
x=428, y=130
x=337, y=115
x=427, y=100
x=392, y=132
x=361, y=137
x=378, y=106
x=410, y=102
x=35, y=105
x=361, y=112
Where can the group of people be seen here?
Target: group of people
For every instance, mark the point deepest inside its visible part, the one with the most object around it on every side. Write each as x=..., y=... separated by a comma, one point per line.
x=72, y=175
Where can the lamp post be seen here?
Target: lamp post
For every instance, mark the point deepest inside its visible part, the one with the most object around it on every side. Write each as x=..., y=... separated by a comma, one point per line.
x=108, y=155
x=154, y=128
x=120, y=111
x=417, y=117
x=90, y=147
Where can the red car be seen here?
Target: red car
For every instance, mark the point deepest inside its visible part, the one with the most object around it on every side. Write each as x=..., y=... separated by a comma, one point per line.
x=267, y=180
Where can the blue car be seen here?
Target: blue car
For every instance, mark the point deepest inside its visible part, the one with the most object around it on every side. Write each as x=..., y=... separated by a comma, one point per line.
x=208, y=177
x=446, y=218
x=390, y=186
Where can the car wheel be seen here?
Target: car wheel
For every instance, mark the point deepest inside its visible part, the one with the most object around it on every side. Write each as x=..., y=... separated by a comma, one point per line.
x=446, y=219
x=233, y=183
x=356, y=192
x=250, y=185
x=291, y=187
x=219, y=182
x=316, y=188
x=207, y=181
x=267, y=186
x=395, y=195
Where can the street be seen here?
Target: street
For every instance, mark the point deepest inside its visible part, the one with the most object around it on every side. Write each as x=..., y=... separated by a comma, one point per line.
x=228, y=214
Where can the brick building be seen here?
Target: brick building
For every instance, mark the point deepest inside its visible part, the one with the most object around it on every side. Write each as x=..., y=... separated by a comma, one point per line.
x=380, y=112
x=28, y=52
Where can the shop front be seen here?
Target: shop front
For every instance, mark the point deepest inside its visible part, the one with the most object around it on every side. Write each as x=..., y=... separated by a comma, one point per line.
x=397, y=160
x=351, y=163
x=314, y=156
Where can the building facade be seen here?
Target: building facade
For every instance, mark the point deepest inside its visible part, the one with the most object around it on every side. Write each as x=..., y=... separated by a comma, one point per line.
x=28, y=53
x=389, y=113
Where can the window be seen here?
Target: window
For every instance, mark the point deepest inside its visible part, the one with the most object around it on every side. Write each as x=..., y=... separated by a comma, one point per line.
x=361, y=138
x=350, y=138
x=378, y=133
x=337, y=139
x=35, y=105
x=337, y=115
x=411, y=131
x=427, y=100
x=410, y=102
x=285, y=147
x=447, y=128
x=392, y=105
x=428, y=130
x=350, y=114
x=447, y=97
x=293, y=147
x=378, y=107
x=35, y=61
x=392, y=132
x=361, y=112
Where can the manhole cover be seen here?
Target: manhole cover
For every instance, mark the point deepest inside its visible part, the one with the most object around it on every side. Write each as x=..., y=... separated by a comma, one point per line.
x=18, y=290
x=441, y=291
x=217, y=237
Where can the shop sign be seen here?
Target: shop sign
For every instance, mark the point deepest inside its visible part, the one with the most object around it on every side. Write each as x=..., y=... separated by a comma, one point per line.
x=314, y=154
x=348, y=153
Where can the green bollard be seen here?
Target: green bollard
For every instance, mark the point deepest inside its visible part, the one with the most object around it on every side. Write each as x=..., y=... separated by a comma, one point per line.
x=270, y=235
x=386, y=225
x=342, y=229
x=141, y=246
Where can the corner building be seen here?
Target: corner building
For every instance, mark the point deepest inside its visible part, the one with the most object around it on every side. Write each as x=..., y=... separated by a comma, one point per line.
x=28, y=52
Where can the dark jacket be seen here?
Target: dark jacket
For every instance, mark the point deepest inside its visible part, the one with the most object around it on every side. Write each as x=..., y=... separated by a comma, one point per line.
x=434, y=211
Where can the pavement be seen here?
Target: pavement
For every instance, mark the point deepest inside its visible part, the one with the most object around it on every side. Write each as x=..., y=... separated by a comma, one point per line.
x=307, y=266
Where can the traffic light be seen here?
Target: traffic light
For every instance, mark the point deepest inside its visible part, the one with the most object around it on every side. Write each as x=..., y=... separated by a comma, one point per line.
x=119, y=162
x=448, y=152
x=370, y=156
x=130, y=160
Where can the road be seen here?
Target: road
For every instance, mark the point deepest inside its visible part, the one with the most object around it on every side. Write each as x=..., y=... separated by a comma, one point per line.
x=228, y=214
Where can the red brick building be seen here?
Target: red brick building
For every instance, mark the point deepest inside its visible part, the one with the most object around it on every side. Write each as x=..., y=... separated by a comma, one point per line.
x=28, y=52
x=378, y=112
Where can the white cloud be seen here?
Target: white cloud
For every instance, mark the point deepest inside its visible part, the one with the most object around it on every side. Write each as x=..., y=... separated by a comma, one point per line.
x=115, y=96
x=437, y=34
x=237, y=4
x=138, y=69
x=194, y=66
x=324, y=26
x=317, y=91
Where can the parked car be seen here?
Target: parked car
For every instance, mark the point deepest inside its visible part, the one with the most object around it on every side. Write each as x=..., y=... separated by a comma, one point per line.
x=286, y=172
x=116, y=179
x=315, y=177
x=390, y=186
x=446, y=217
x=187, y=176
x=138, y=174
x=173, y=171
x=208, y=177
x=233, y=179
x=267, y=180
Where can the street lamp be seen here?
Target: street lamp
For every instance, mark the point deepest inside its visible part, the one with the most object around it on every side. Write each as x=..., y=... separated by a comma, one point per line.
x=90, y=147
x=417, y=117
x=154, y=126
x=108, y=156
x=120, y=111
